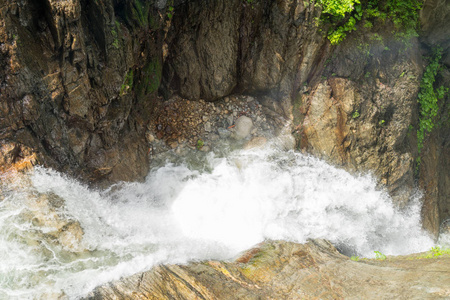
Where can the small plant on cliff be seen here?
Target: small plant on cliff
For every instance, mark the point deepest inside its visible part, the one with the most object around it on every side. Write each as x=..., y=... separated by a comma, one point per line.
x=354, y=258
x=355, y=115
x=127, y=83
x=200, y=144
x=436, y=252
x=428, y=99
x=151, y=78
x=116, y=36
x=379, y=255
x=170, y=11
x=344, y=15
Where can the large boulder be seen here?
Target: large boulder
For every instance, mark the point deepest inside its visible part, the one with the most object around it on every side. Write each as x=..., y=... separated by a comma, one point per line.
x=283, y=270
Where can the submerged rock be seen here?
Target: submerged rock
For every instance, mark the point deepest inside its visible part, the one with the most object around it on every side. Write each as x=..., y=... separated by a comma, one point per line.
x=256, y=142
x=223, y=133
x=52, y=225
x=284, y=270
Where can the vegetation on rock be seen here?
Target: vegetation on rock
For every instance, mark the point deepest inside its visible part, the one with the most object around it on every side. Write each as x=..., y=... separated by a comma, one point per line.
x=379, y=255
x=344, y=15
x=436, y=252
x=428, y=99
x=151, y=74
x=200, y=144
x=127, y=84
x=139, y=12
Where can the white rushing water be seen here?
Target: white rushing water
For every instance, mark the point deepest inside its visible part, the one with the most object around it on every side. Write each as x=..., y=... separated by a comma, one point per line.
x=180, y=214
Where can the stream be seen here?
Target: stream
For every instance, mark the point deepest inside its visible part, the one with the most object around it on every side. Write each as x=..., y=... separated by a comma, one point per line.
x=204, y=206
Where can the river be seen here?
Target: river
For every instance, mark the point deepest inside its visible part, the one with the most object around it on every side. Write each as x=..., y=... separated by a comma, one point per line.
x=208, y=207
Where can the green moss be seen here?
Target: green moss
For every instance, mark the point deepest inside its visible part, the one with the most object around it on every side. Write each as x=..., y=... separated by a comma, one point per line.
x=115, y=33
x=153, y=23
x=151, y=78
x=127, y=83
x=139, y=12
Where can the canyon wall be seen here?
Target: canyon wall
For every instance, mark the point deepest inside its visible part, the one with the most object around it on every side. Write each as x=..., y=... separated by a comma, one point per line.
x=78, y=82
x=81, y=80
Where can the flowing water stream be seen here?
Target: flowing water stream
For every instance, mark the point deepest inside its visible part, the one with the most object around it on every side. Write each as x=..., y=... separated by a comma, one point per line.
x=206, y=207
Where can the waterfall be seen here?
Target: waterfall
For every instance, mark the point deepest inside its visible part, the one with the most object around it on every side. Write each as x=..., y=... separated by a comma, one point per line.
x=212, y=209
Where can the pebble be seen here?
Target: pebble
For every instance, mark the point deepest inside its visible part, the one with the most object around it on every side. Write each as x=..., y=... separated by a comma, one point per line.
x=180, y=123
x=205, y=149
x=150, y=137
x=208, y=127
x=230, y=120
x=243, y=127
x=223, y=133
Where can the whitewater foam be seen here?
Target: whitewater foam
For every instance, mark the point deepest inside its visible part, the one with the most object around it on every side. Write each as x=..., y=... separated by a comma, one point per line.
x=180, y=214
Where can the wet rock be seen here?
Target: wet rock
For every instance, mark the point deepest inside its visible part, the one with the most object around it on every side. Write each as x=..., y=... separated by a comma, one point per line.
x=229, y=119
x=56, y=227
x=243, y=127
x=150, y=137
x=363, y=125
x=223, y=133
x=70, y=237
x=256, y=142
x=205, y=149
x=16, y=157
x=284, y=270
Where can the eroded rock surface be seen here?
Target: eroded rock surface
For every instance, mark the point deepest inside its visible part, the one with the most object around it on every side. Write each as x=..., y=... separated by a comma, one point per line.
x=259, y=46
x=66, y=84
x=283, y=270
x=363, y=121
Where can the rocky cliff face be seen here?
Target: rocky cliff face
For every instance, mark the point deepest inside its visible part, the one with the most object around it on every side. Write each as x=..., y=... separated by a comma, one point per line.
x=354, y=105
x=78, y=83
x=80, y=79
